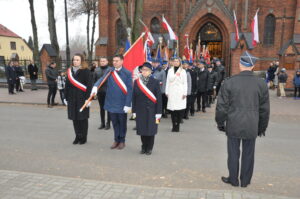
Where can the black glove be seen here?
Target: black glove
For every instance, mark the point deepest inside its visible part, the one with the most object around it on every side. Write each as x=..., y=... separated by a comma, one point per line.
x=221, y=128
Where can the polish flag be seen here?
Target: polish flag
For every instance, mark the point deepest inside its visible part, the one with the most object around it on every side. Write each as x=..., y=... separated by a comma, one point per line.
x=186, y=47
x=149, y=38
x=167, y=27
x=255, y=32
x=237, y=34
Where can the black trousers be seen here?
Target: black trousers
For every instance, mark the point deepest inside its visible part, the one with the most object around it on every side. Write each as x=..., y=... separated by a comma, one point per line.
x=81, y=128
x=164, y=103
x=147, y=142
x=210, y=94
x=188, y=105
x=101, y=100
x=295, y=91
x=201, y=97
x=51, y=93
x=247, y=162
x=62, y=95
x=218, y=88
x=176, y=117
x=193, y=99
x=11, y=87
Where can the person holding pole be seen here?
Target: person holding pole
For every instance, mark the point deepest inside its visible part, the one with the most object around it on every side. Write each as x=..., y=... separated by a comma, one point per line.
x=77, y=89
x=118, y=98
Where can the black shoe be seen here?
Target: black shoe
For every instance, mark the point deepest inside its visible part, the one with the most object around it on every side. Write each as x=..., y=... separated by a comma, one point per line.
x=177, y=128
x=107, y=127
x=54, y=104
x=173, y=128
x=244, y=185
x=165, y=116
x=82, y=140
x=143, y=150
x=149, y=152
x=102, y=126
x=186, y=117
x=192, y=114
x=203, y=110
x=76, y=141
x=227, y=181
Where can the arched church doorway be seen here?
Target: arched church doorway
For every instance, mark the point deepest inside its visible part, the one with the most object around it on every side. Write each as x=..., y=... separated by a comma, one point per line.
x=211, y=36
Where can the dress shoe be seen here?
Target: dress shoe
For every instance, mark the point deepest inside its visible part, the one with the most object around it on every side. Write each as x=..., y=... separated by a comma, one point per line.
x=76, y=141
x=114, y=145
x=54, y=104
x=149, y=152
x=82, y=140
x=102, y=126
x=244, y=185
x=227, y=181
x=143, y=150
x=203, y=110
x=121, y=146
x=107, y=126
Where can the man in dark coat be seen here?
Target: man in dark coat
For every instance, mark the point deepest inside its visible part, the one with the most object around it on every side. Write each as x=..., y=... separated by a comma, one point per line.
x=11, y=77
x=202, y=80
x=51, y=75
x=146, y=108
x=19, y=73
x=220, y=69
x=211, y=85
x=99, y=72
x=242, y=112
x=118, y=99
x=193, y=71
x=33, y=73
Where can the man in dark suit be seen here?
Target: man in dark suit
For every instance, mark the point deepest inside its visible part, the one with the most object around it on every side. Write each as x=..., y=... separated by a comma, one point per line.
x=11, y=77
x=202, y=80
x=118, y=99
x=242, y=111
x=33, y=73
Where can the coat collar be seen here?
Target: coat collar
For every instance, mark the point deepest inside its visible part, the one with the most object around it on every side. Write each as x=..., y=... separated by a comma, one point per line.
x=246, y=73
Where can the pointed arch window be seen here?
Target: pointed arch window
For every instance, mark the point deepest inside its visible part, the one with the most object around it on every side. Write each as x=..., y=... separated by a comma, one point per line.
x=269, y=34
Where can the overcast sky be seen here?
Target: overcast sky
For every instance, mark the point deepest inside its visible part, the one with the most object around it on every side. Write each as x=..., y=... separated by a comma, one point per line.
x=15, y=15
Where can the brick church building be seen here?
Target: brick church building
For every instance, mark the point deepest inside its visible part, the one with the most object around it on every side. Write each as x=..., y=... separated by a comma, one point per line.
x=279, y=28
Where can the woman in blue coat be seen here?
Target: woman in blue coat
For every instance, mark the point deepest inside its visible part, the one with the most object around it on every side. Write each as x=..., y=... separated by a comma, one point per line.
x=146, y=107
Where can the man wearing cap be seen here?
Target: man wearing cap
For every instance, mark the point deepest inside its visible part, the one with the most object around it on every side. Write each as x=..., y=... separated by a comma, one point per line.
x=202, y=81
x=242, y=111
x=282, y=78
x=160, y=75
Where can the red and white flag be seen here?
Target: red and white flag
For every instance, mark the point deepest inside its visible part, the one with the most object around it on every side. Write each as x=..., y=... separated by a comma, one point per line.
x=186, y=52
x=237, y=34
x=167, y=27
x=135, y=56
x=255, y=31
x=149, y=38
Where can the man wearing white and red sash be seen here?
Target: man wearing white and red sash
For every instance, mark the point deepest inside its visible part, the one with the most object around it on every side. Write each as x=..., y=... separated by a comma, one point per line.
x=118, y=99
x=147, y=107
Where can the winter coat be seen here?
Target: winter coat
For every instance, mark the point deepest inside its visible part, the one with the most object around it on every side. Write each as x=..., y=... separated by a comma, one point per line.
x=115, y=99
x=51, y=75
x=145, y=109
x=282, y=77
x=10, y=74
x=296, y=80
x=202, y=80
x=193, y=74
x=243, y=106
x=212, y=80
x=160, y=75
x=221, y=74
x=19, y=71
x=176, y=87
x=33, y=71
x=76, y=97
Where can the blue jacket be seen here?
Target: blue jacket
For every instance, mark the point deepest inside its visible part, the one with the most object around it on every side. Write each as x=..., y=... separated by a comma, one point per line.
x=115, y=99
x=297, y=81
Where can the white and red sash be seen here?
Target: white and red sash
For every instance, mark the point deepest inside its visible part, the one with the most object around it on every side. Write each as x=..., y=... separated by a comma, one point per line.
x=74, y=82
x=119, y=82
x=146, y=91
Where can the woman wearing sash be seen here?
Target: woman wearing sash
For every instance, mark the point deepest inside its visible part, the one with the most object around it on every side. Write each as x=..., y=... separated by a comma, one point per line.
x=147, y=107
x=176, y=91
x=77, y=91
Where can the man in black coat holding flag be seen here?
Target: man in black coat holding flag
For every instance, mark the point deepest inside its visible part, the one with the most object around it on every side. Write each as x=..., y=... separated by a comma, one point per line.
x=242, y=112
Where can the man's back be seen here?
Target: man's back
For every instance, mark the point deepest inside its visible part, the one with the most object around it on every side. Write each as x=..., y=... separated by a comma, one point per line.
x=244, y=104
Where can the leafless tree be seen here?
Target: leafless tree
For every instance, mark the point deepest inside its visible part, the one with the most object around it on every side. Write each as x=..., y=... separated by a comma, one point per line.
x=34, y=31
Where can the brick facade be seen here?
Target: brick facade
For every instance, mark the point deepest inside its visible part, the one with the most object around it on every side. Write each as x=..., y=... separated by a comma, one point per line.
x=188, y=16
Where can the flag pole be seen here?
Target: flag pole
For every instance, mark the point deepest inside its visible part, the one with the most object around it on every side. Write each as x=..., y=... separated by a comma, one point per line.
x=143, y=33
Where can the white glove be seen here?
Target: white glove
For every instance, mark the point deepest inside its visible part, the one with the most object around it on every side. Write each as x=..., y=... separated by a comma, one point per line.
x=133, y=115
x=158, y=116
x=89, y=104
x=94, y=90
x=214, y=87
x=126, y=109
x=65, y=102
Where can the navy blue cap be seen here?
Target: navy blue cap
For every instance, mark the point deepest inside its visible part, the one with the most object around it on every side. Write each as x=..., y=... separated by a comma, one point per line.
x=248, y=60
x=185, y=62
x=148, y=65
x=165, y=62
